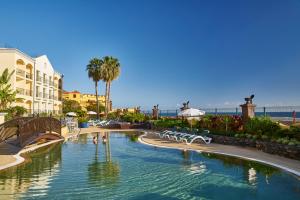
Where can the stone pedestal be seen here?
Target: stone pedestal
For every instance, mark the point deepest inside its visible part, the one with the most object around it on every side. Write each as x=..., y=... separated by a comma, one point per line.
x=155, y=113
x=248, y=111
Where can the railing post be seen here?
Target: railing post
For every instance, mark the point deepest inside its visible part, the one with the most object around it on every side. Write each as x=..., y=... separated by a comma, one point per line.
x=216, y=111
x=50, y=123
x=265, y=114
x=236, y=111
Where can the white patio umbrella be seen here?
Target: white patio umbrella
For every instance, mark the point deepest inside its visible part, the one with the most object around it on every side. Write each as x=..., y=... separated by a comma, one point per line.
x=91, y=113
x=191, y=112
x=71, y=114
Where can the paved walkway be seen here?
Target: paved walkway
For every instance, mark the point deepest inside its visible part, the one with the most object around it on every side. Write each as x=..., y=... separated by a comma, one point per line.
x=7, y=153
x=287, y=164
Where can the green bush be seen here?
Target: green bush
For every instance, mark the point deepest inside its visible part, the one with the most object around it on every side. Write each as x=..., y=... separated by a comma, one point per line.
x=82, y=120
x=261, y=126
x=171, y=123
x=133, y=117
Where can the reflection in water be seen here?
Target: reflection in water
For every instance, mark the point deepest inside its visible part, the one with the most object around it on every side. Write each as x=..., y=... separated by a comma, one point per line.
x=250, y=168
x=36, y=174
x=103, y=173
x=189, y=166
x=133, y=136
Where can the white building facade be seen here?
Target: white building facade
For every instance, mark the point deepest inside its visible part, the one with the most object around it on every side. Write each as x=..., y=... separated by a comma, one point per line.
x=38, y=85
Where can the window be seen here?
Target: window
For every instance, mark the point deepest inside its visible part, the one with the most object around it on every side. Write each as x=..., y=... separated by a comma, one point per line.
x=74, y=95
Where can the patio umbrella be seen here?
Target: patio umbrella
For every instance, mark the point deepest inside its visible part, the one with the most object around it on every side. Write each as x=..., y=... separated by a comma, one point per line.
x=71, y=114
x=191, y=112
x=91, y=113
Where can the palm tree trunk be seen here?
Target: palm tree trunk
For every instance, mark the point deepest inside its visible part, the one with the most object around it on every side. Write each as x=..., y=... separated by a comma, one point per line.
x=97, y=102
x=106, y=96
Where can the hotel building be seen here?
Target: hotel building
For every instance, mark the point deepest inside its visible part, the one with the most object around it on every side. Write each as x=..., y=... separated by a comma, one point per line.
x=84, y=99
x=38, y=85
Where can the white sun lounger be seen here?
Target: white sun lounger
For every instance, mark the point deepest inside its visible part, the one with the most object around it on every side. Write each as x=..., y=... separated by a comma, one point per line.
x=192, y=138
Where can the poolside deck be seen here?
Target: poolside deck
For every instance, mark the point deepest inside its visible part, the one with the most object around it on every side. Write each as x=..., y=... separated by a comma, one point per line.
x=287, y=164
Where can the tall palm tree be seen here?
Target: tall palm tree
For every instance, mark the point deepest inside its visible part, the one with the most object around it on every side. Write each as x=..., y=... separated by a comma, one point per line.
x=111, y=71
x=94, y=69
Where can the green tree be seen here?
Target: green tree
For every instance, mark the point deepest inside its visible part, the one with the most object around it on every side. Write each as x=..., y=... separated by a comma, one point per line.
x=70, y=106
x=111, y=71
x=7, y=95
x=94, y=69
x=93, y=107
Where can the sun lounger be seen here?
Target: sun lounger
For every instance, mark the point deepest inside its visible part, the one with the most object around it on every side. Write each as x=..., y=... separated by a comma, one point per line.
x=189, y=140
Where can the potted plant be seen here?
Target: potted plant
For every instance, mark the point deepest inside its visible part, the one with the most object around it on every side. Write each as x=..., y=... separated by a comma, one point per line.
x=83, y=122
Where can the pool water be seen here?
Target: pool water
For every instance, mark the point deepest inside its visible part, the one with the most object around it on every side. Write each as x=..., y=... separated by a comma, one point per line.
x=123, y=168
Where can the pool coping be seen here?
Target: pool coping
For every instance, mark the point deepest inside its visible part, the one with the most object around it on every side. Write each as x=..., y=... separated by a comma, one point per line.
x=20, y=159
x=287, y=169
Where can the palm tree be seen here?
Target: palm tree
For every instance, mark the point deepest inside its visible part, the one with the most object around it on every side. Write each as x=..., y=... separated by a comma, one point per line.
x=111, y=71
x=7, y=95
x=94, y=69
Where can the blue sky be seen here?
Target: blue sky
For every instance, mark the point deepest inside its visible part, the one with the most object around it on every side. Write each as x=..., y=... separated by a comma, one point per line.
x=212, y=53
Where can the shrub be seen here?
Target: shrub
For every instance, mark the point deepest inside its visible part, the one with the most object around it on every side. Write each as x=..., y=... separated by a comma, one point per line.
x=261, y=125
x=221, y=122
x=133, y=117
x=171, y=123
x=82, y=120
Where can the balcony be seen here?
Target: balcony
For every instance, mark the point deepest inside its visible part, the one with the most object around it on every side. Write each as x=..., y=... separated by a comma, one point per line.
x=39, y=94
x=45, y=96
x=55, y=98
x=28, y=93
x=51, y=83
x=20, y=72
x=20, y=91
x=28, y=75
x=39, y=78
x=45, y=81
x=25, y=92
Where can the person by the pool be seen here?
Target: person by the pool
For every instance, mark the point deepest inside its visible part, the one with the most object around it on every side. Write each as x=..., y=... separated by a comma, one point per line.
x=95, y=140
x=104, y=139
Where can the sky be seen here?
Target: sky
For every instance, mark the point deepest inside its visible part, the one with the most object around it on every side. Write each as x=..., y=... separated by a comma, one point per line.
x=212, y=53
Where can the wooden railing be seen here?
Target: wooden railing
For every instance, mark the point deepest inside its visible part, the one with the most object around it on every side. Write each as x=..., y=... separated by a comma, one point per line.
x=26, y=129
x=11, y=128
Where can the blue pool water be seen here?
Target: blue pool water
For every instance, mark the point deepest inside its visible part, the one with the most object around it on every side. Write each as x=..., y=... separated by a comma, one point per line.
x=126, y=169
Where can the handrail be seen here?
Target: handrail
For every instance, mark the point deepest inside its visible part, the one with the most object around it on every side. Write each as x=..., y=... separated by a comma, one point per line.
x=28, y=128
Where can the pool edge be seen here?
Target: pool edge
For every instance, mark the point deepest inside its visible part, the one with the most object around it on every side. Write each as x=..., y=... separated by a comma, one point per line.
x=289, y=170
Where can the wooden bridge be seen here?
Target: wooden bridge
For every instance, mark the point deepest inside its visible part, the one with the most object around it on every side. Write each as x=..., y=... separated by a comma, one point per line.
x=27, y=130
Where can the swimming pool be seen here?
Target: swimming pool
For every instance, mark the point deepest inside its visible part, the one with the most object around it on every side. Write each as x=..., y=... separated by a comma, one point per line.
x=126, y=169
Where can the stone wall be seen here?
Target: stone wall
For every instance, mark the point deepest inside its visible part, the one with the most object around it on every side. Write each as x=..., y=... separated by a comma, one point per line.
x=289, y=151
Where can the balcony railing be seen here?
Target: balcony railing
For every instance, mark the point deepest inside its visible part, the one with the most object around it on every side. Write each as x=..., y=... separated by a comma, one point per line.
x=39, y=94
x=28, y=93
x=28, y=75
x=20, y=72
x=39, y=78
x=45, y=81
x=23, y=91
